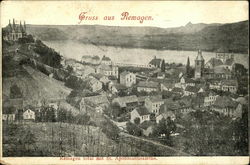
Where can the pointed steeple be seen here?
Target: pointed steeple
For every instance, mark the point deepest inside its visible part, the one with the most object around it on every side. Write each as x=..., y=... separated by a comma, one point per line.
x=199, y=56
x=24, y=26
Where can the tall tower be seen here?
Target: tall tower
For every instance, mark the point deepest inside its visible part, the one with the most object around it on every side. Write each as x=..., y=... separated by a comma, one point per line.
x=199, y=65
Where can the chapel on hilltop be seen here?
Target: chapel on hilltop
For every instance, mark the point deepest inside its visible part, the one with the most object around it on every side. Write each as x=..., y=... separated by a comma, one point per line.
x=12, y=32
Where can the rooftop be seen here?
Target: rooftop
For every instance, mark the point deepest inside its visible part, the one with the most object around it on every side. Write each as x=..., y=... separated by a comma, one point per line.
x=225, y=101
x=148, y=84
x=142, y=111
x=192, y=89
x=105, y=58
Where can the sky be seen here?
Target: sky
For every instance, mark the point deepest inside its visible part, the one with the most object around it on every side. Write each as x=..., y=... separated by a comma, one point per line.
x=164, y=13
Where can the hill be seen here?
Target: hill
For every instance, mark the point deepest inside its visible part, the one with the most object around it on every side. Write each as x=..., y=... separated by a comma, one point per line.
x=209, y=37
x=32, y=79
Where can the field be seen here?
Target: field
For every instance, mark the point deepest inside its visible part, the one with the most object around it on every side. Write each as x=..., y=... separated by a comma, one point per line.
x=61, y=139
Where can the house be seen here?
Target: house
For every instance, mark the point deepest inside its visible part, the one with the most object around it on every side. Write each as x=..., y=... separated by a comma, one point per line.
x=107, y=70
x=156, y=62
x=95, y=60
x=106, y=60
x=183, y=106
x=29, y=115
x=221, y=72
x=93, y=84
x=53, y=105
x=210, y=98
x=147, y=86
x=165, y=115
x=213, y=62
x=177, y=90
x=215, y=85
x=184, y=82
x=127, y=78
x=8, y=114
x=190, y=90
x=166, y=86
x=229, y=85
x=161, y=75
x=141, y=112
x=115, y=87
x=102, y=78
x=127, y=102
x=142, y=99
x=99, y=103
x=226, y=106
x=147, y=127
x=153, y=104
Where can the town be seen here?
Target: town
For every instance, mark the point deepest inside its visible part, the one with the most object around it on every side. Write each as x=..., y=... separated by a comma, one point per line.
x=160, y=103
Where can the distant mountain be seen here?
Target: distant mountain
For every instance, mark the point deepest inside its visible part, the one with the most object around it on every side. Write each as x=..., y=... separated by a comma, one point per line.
x=209, y=37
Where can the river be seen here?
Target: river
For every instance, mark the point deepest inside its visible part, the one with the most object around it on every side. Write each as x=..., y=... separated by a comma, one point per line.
x=75, y=50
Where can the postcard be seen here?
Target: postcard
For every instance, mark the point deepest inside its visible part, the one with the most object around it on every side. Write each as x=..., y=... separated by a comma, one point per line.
x=124, y=82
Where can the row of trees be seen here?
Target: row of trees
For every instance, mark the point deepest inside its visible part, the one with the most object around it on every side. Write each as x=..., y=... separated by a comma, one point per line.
x=48, y=56
x=214, y=134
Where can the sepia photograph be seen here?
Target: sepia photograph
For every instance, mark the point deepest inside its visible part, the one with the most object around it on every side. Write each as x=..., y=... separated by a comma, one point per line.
x=124, y=80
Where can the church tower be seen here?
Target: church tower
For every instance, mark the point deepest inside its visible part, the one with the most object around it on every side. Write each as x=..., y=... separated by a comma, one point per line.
x=199, y=65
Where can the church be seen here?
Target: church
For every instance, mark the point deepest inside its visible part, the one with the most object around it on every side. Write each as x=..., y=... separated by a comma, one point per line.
x=12, y=32
x=199, y=66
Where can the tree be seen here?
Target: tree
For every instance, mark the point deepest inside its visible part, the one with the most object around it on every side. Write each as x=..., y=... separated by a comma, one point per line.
x=69, y=69
x=137, y=121
x=163, y=66
x=15, y=92
x=133, y=129
x=115, y=110
x=188, y=70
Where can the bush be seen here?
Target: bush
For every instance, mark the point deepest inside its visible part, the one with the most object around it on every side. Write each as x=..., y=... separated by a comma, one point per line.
x=133, y=129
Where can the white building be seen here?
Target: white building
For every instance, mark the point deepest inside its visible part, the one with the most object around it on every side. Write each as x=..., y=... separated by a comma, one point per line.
x=127, y=78
x=29, y=115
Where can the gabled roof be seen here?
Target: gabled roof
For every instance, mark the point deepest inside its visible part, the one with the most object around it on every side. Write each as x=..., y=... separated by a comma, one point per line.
x=119, y=86
x=144, y=125
x=192, y=89
x=221, y=70
x=222, y=50
x=99, y=99
x=157, y=98
x=9, y=110
x=229, y=61
x=176, y=89
x=122, y=101
x=105, y=58
x=125, y=73
x=17, y=103
x=148, y=84
x=105, y=67
x=142, y=111
x=214, y=62
x=97, y=75
x=96, y=58
x=229, y=82
x=168, y=85
x=225, y=102
x=86, y=57
x=189, y=80
x=156, y=62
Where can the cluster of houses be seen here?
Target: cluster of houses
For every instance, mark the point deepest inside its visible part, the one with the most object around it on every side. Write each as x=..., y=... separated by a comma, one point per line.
x=157, y=95
x=198, y=93
x=17, y=110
